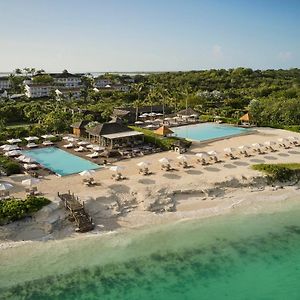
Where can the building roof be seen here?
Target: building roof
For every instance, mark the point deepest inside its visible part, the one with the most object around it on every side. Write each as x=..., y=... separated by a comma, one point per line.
x=120, y=112
x=124, y=134
x=187, y=112
x=245, y=117
x=108, y=128
x=163, y=130
x=4, y=78
x=80, y=125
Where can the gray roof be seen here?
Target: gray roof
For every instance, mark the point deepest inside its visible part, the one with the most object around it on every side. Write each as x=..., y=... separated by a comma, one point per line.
x=187, y=112
x=80, y=125
x=108, y=128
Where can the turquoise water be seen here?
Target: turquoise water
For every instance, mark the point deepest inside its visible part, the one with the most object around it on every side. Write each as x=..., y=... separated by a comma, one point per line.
x=208, y=131
x=59, y=161
x=236, y=257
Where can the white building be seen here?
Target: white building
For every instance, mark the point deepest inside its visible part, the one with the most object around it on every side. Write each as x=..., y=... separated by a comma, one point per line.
x=68, y=93
x=38, y=90
x=102, y=82
x=67, y=80
x=4, y=83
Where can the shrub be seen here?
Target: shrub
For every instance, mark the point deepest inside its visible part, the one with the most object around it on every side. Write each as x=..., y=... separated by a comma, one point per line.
x=8, y=166
x=280, y=172
x=16, y=209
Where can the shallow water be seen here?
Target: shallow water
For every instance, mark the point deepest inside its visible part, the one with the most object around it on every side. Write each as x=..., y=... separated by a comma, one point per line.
x=232, y=257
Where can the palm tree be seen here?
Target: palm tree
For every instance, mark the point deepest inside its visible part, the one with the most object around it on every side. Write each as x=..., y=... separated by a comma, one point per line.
x=137, y=88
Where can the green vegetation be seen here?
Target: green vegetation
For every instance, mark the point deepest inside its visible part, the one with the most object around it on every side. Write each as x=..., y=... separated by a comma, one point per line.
x=8, y=166
x=16, y=209
x=271, y=96
x=280, y=172
x=163, y=142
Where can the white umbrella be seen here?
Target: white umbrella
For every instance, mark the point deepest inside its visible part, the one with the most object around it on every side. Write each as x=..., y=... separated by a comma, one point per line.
x=148, y=121
x=229, y=150
x=292, y=138
x=30, y=181
x=47, y=143
x=282, y=140
x=10, y=147
x=90, y=146
x=203, y=155
x=244, y=147
x=28, y=160
x=182, y=157
x=167, y=119
x=31, y=145
x=185, y=116
x=143, y=116
x=21, y=157
x=138, y=122
x=13, y=153
x=116, y=168
x=3, y=146
x=269, y=143
x=152, y=114
x=157, y=121
x=13, y=141
x=87, y=173
x=212, y=153
x=159, y=114
x=48, y=136
x=164, y=161
x=257, y=145
x=5, y=186
x=31, y=138
x=194, y=115
x=65, y=137
x=83, y=143
x=95, y=90
x=30, y=166
x=143, y=164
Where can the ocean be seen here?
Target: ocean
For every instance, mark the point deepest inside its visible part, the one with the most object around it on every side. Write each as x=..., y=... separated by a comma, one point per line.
x=238, y=256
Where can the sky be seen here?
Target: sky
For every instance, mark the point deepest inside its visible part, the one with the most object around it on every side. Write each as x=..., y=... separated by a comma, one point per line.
x=149, y=35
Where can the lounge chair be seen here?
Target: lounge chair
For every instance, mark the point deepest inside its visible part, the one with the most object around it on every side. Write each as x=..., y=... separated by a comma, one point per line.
x=79, y=149
x=93, y=155
x=166, y=167
x=202, y=161
x=47, y=143
x=68, y=146
x=284, y=145
x=230, y=155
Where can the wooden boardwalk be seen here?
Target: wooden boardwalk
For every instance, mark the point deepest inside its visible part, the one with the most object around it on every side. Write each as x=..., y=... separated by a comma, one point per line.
x=83, y=221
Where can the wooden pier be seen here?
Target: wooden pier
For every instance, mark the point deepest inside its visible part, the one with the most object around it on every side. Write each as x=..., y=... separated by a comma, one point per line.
x=78, y=214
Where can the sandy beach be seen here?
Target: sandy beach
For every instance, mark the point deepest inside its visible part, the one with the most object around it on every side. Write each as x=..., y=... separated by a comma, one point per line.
x=230, y=186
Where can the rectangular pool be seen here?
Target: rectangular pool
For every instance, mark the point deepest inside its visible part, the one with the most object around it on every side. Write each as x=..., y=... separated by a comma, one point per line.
x=60, y=161
x=208, y=131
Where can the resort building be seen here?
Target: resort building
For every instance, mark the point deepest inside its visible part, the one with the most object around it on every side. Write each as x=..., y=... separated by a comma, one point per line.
x=114, y=135
x=102, y=82
x=121, y=87
x=79, y=128
x=68, y=93
x=4, y=83
x=38, y=90
x=67, y=80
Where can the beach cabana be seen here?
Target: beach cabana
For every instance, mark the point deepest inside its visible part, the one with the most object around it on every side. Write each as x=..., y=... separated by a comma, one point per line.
x=164, y=131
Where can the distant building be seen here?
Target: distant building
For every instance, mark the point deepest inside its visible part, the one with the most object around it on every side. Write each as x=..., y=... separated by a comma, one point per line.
x=67, y=80
x=4, y=83
x=79, y=128
x=121, y=87
x=68, y=93
x=102, y=82
x=38, y=90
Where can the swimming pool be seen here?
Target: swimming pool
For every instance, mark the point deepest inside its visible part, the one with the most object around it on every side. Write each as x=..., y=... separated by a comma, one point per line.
x=59, y=161
x=208, y=131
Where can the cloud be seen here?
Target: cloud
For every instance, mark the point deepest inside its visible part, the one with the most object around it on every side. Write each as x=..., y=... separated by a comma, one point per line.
x=217, y=52
x=285, y=55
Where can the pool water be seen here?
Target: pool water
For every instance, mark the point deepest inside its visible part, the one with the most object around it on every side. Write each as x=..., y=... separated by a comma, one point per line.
x=59, y=161
x=208, y=131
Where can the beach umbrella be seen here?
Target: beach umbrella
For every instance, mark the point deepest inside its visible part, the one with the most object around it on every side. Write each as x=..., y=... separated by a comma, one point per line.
x=5, y=186
x=116, y=168
x=257, y=145
x=95, y=90
x=3, y=146
x=31, y=138
x=90, y=146
x=83, y=143
x=138, y=122
x=244, y=147
x=168, y=119
x=47, y=143
x=282, y=140
x=143, y=116
x=28, y=160
x=48, y=136
x=143, y=164
x=202, y=155
x=21, y=157
x=292, y=138
x=185, y=116
x=10, y=148
x=269, y=143
x=30, y=181
x=194, y=116
x=13, y=153
x=31, y=145
x=65, y=137
x=212, y=153
x=87, y=173
x=14, y=141
x=229, y=150
x=148, y=121
x=159, y=114
x=158, y=120
x=164, y=161
x=152, y=114
x=182, y=157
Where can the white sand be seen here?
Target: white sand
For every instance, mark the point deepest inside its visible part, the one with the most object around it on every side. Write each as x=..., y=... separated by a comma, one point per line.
x=202, y=191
